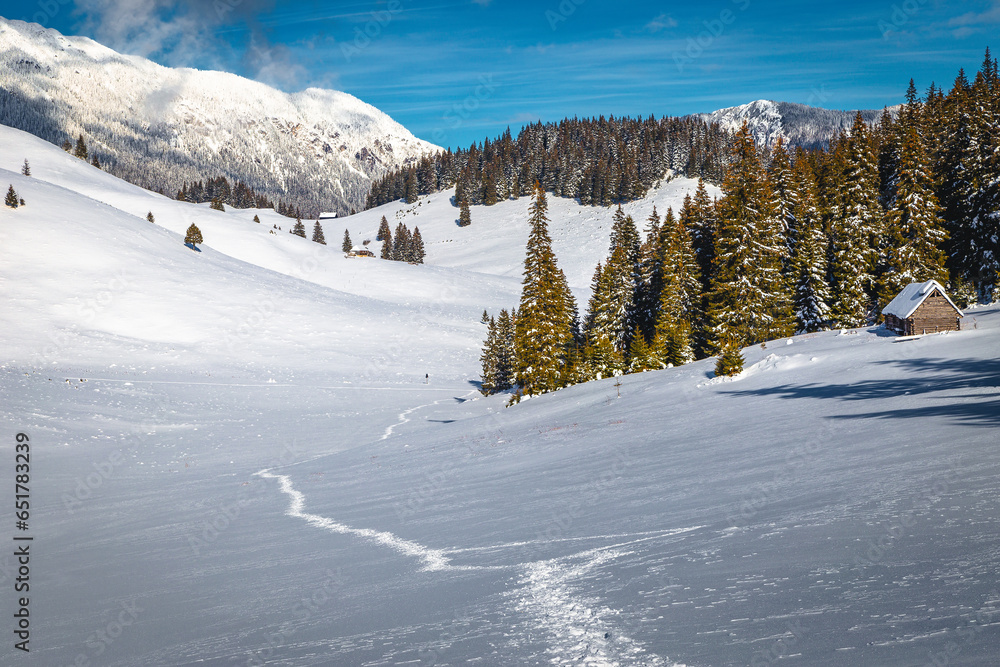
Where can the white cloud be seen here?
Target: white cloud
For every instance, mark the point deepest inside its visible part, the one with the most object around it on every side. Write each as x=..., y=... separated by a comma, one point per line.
x=661, y=22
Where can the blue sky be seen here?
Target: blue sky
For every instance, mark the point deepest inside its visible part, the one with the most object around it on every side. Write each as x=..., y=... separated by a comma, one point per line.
x=455, y=71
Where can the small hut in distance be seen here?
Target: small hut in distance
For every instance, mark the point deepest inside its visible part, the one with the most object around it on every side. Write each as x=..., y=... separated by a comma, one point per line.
x=922, y=308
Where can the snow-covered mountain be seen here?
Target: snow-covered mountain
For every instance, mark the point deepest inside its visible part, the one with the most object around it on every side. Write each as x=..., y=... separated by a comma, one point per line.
x=157, y=126
x=798, y=124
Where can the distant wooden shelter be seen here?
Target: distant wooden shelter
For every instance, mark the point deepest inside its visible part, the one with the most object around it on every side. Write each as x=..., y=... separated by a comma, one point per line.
x=363, y=251
x=922, y=308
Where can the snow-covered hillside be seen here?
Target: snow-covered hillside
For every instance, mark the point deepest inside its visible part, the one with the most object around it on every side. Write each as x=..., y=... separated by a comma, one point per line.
x=237, y=459
x=162, y=126
x=798, y=124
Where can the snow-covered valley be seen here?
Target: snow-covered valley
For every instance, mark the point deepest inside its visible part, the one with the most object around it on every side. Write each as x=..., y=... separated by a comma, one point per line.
x=238, y=459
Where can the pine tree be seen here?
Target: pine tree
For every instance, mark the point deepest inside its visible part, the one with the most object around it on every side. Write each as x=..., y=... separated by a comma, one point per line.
x=95, y=162
x=983, y=254
x=411, y=195
x=612, y=310
x=730, y=361
x=544, y=327
x=383, y=230
x=318, y=236
x=808, y=270
x=464, y=216
x=488, y=360
x=401, y=244
x=749, y=301
x=217, y=205
x=857, y=231
x=602, y=360
x=298, y=229
x=416, y=247
x=81, y=149
x=12, y=200
x=193, y=236
x=26, y=168
x=641, y=355
x=150, y=218
x=505, y=354
x=915, y=228
x=680, y=296
x=67, y=146
x=650, y=277
x=387, y=246
x=347, y=246
x=256, y=219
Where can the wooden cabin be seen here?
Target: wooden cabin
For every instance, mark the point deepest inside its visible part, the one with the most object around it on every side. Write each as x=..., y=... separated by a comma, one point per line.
x=361, y=251
x=922, y=308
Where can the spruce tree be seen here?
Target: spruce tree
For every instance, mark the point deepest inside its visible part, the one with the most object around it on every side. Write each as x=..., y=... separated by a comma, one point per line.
x=256, y=219
x=505, y=354
x=749, y=302
x=95, y=162
x=298, y=229
x=602, y=360
x=383, y=230
x=730, y=361
x=26, y=168
x=347, y=246
x=612, y=310
x=411, y=195
x=642, y=356
x=680, y=296
x=217, y=205
x=650, y=277
x=12, y=200
x=857, y=231
x=318, y=236
x=387, y=246
x=401, y=244
x=464, y=216
x=915, y=228
x=150, y=218
x=983, y=255
x=81, y=149
x=193, y=236
x=67, y=146
x=544, y=327
x=488, y=360
x=808, y=271
x=417, y=247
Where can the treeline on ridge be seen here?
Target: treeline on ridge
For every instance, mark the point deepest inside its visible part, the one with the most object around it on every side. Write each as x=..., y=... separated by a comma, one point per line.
x=601, y=161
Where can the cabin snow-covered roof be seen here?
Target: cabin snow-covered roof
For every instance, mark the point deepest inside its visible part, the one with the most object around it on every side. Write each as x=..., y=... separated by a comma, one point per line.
x=914, y=294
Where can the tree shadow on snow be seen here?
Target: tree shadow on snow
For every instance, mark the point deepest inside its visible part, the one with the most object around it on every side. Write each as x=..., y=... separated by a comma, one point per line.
x=979, y=405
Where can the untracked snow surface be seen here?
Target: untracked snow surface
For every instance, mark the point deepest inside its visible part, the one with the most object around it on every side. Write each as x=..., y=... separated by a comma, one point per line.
x=237, y=459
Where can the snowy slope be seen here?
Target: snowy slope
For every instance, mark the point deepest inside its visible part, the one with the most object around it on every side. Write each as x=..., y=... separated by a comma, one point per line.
x=797, y=124
x=163, y=126
x=237, y=461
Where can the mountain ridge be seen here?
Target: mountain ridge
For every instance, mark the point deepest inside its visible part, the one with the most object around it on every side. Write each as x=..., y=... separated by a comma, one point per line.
x=159, y=127
x=798, y=124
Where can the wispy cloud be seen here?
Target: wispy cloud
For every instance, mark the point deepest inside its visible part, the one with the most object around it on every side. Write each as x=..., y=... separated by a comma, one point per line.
x=661, y=22
x=187, y=34
x=979, y=19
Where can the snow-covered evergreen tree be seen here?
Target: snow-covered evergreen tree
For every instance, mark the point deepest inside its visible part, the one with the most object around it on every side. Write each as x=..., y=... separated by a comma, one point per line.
x=383, y=230
x=915, y=228
x=298, y=229
x=857, y=230
x=401, y=244
x=217, y=205
x=544, y=327
x=193, y=236
x=150, y=218
x=464, y=216
x=318, y=236
x=680, y=296
x=750, y=300
x=26, y=168
x=346, y=244
x=11, y=200
x=417, y=252
x=808, y=270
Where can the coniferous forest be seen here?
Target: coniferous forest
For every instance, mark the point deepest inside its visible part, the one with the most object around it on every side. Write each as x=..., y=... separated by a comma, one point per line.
x=800, y=241
x=601, y=161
